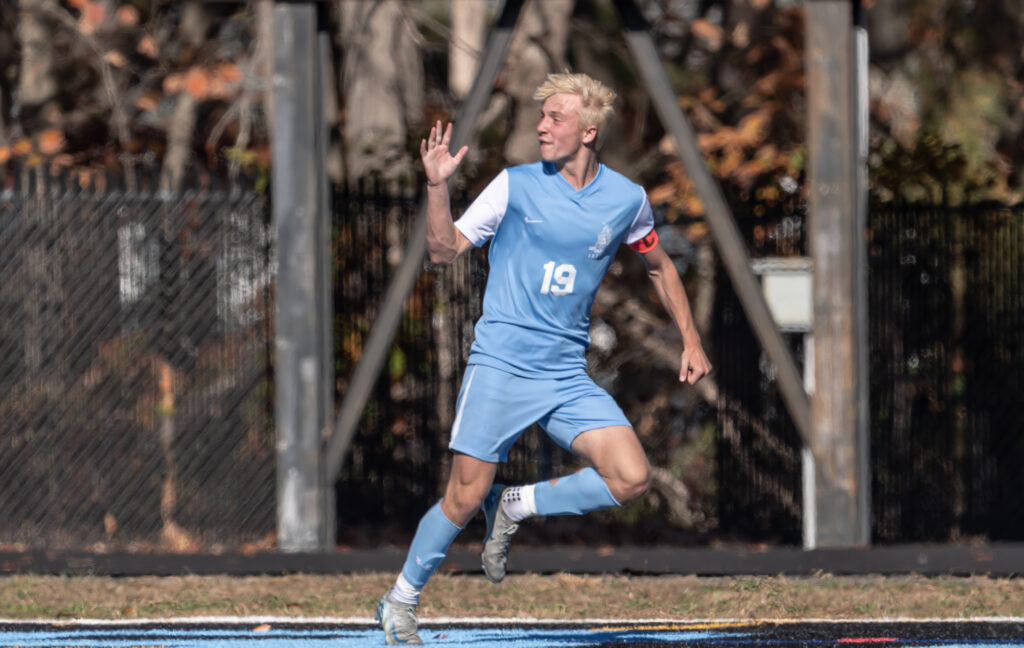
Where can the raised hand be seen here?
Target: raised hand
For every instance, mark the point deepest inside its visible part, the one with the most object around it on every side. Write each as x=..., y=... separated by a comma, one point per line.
x=438, y=163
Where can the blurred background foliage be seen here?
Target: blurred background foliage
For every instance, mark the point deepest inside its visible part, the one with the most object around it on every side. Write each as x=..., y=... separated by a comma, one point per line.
x=93, y=86
x=101, y=83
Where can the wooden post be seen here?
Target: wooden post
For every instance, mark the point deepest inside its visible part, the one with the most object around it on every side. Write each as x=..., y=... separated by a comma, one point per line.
x=838, y=406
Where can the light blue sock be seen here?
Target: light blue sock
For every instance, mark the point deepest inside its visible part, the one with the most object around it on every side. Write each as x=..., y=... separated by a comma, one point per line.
x=576, y=494
x=433, y=536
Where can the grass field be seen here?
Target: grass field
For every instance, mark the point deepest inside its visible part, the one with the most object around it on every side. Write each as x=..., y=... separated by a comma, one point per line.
x=520, y=596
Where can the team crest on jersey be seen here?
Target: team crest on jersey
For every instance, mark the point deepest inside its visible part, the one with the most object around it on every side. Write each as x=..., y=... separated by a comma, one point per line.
x=603, y=239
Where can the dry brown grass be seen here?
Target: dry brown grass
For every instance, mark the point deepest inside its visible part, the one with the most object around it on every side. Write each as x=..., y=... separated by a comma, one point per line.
x=561, y=596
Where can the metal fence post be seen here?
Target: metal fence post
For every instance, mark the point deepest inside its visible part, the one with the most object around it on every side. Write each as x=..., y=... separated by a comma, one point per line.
x=304, y=501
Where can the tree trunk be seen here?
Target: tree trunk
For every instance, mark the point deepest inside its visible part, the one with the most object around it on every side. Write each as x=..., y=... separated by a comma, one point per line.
x=538, y=48
x=179, y=142
x=681, y=509
x=887, y=30
x=447, y=347
x=382, y=85
x=195, y=22
x=37, y=83
x=264, y=64
x=8, y=60
x=704, y=290
x=469, y=23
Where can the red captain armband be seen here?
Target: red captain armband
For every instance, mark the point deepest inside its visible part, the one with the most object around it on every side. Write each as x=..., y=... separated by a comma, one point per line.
x=646, y=244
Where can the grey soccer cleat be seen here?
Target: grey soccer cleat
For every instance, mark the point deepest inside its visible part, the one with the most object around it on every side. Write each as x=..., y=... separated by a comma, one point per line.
x=399, y=622
x=500, y=528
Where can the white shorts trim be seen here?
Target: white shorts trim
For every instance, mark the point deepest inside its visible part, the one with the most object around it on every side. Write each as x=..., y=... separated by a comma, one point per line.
x=462, y=406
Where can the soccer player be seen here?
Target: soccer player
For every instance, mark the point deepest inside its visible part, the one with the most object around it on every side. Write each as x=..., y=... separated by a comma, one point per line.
x=554, y=228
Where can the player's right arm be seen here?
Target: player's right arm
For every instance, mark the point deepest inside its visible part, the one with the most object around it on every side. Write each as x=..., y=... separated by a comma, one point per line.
x=445, y=242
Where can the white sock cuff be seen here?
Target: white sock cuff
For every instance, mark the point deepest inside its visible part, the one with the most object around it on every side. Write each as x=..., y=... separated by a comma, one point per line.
x=529, y=503
x=404, y=592
x=519, y=502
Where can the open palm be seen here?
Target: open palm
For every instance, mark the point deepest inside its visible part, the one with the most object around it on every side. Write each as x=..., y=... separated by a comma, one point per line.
x=438, y=163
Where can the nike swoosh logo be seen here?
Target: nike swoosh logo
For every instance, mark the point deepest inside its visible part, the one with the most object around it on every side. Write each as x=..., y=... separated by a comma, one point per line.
x=527, y=219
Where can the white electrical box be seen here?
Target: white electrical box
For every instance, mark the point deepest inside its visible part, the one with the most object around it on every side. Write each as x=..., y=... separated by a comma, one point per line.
x=786, y=283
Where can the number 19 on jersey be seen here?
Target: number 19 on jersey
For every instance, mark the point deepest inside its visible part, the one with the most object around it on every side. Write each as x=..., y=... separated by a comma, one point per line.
x=558, y=280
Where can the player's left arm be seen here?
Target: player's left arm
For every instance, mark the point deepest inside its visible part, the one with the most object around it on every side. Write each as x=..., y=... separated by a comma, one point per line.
x=694, y=364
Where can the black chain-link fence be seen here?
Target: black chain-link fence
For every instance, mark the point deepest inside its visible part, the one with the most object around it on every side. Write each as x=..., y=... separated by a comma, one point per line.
x=136, y=378
x=946, y=349
x=135, y=372
x=947, y=373
x=398, y=455
x=399, y=459
x=946, y=383
x=758, y=448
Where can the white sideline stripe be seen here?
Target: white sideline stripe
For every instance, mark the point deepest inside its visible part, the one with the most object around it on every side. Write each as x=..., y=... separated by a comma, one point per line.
x=497, y=621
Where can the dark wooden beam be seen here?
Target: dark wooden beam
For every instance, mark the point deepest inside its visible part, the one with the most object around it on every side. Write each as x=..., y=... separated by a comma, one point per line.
x=838, y=407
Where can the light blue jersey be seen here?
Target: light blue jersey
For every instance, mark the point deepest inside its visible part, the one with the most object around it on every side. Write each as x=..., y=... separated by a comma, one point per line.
x=552, y=245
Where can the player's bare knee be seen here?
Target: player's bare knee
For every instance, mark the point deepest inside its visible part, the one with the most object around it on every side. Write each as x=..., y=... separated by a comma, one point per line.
x=463, y=505
x=632, y=483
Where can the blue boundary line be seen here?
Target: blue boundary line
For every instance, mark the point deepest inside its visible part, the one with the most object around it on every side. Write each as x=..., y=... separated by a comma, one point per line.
x=255, y=633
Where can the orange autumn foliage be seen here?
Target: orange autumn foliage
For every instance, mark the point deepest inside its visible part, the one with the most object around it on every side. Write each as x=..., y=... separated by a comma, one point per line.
x=147, y=46
x=91, y=17
x=197, y=82
x=51, y=141
x=127, y=16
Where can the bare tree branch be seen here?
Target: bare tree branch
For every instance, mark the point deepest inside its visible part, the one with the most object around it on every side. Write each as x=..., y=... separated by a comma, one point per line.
x=677, y=497
x=114, y=99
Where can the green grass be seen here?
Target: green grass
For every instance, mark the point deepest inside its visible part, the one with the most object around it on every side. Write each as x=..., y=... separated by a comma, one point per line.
x=605, y=596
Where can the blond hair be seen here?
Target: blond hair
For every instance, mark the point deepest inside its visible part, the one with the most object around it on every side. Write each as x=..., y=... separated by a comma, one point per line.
x=597, y=98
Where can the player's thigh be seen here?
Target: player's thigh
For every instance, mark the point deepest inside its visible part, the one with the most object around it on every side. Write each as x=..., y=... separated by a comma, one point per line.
x=582, y=406
x=615, y=452
x=619, y=458
x=493, y=409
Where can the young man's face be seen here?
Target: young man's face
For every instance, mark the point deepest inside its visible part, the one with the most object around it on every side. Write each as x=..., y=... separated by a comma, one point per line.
x=559, y=130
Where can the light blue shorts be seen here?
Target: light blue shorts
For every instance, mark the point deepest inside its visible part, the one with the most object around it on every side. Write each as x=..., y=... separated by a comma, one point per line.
x=495, y=407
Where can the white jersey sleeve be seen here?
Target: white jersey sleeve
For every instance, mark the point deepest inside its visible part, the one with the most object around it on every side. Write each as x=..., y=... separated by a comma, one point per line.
x=643, y=223
x=481, y=219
